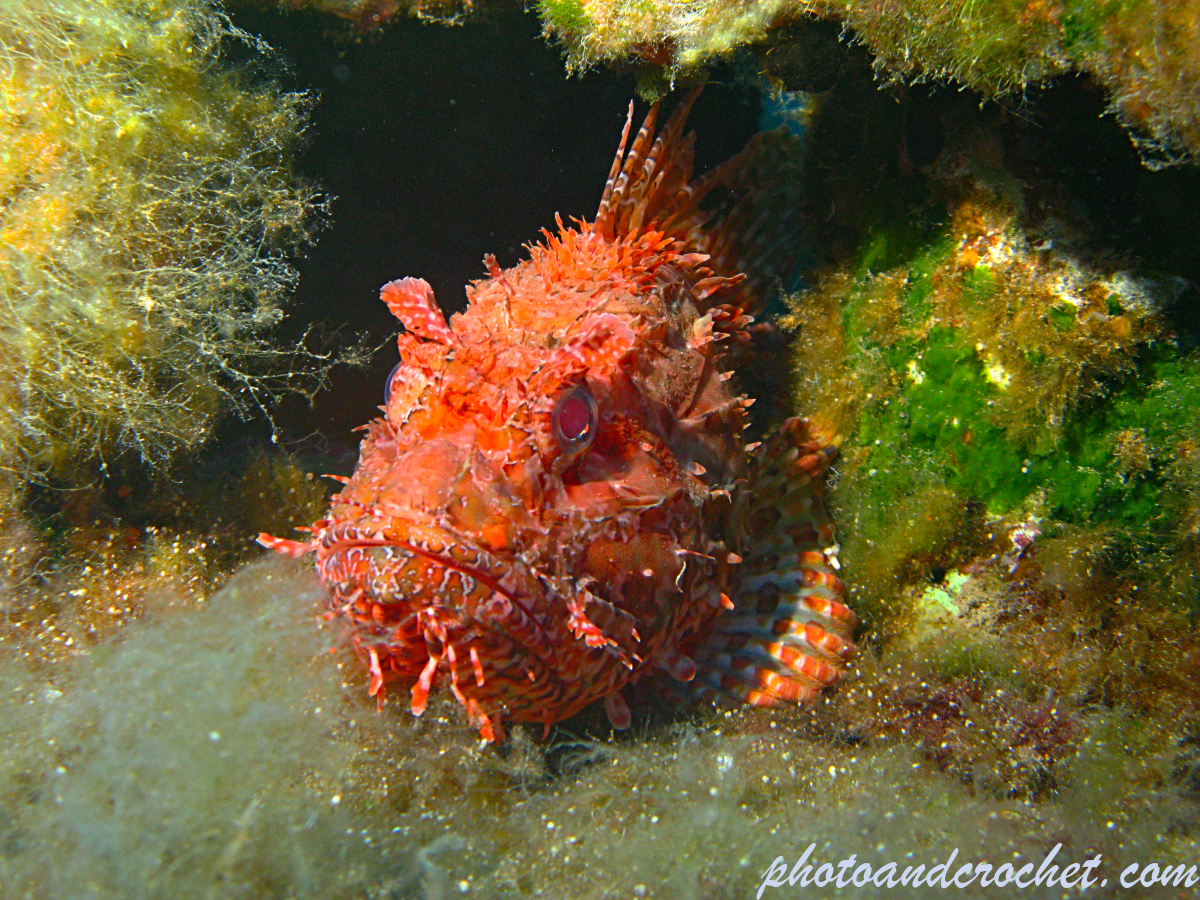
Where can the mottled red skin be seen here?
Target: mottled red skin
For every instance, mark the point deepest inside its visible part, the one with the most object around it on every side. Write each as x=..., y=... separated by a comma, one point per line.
x=542, y=515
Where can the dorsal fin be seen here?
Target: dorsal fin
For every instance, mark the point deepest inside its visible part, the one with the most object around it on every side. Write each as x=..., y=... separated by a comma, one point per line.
x=744, y=214
x=641, y=178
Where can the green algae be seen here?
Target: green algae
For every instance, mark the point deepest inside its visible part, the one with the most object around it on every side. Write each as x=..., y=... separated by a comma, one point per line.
x=981, y=376
x=944, y=415
x=565, y=16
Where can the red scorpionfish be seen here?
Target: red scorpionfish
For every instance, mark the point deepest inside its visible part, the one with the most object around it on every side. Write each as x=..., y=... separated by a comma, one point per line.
x=558, y=502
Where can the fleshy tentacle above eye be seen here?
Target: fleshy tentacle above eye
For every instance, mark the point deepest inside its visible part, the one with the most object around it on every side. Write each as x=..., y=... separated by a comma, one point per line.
x=411, y=301
x=603, y=341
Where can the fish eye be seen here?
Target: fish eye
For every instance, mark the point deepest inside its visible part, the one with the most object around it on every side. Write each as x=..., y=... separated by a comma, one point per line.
x=575, y=417
x=387, y=384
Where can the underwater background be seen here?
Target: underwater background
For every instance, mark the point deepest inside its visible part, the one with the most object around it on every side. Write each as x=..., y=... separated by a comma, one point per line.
x=996, y=310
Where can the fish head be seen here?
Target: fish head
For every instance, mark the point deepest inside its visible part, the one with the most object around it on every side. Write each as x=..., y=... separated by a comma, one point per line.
x=520, y=498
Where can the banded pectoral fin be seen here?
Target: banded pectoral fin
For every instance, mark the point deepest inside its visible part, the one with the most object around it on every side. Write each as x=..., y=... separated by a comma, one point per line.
x=793, y=650
x=790, y=633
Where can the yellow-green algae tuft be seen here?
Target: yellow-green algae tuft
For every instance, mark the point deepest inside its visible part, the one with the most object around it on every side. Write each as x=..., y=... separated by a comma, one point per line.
x=147, y=209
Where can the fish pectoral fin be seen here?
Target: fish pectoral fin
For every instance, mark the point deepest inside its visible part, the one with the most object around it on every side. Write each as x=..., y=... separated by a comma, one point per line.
x=294, y=549
x=788, y=633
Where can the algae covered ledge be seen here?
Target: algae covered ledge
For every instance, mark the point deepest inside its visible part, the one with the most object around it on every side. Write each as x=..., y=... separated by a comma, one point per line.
x=1145, y=55
x=995, y=314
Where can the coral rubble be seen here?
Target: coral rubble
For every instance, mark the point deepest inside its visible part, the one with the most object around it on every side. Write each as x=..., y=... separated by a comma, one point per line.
x=147, y=209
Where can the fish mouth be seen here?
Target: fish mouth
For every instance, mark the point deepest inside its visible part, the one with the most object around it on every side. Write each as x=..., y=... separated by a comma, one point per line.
x=414, y=545
x=396, y=569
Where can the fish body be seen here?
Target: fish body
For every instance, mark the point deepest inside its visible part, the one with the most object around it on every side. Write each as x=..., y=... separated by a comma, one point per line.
x=559, y=503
